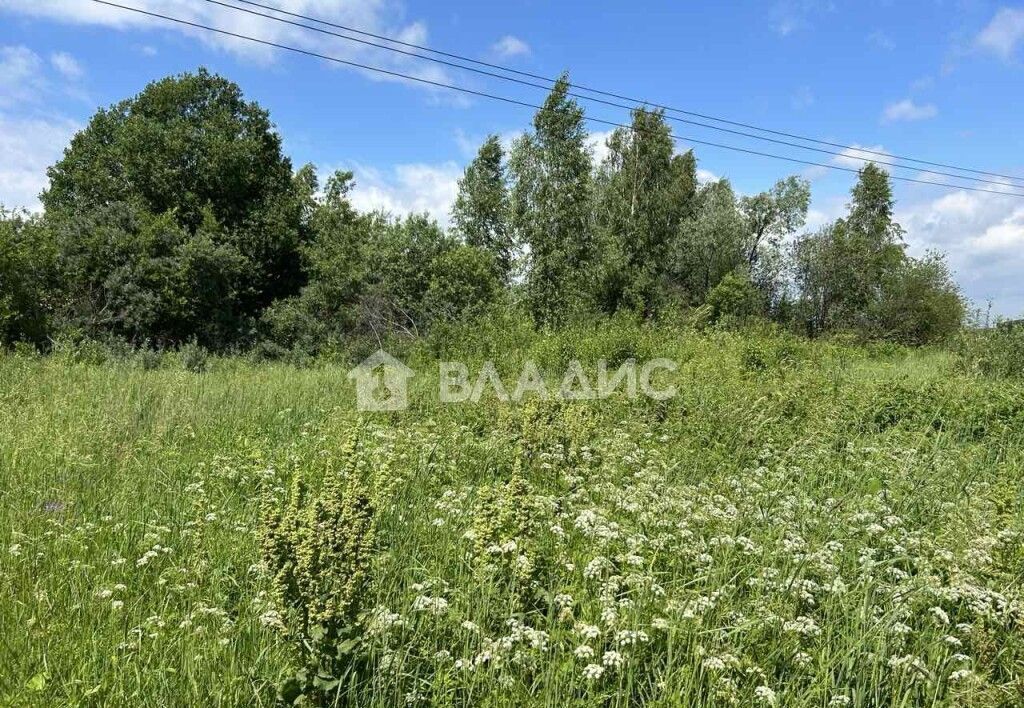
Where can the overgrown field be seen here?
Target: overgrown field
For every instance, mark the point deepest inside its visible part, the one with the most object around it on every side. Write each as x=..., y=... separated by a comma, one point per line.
x=803, y=524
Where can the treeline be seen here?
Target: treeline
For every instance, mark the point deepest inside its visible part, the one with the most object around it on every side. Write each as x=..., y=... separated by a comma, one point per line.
x=175, y=217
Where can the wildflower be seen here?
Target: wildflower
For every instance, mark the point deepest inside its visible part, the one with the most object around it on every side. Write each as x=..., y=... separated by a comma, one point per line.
x=15, y=549
x=433, y=605
x=765, y=695
x=592, y=672
x=272, y=618
x=628, y=637
x=940, y=615
x=564, y=600
x=713, y=663
x=583, y=651
x=613, y=659
x=802, y=625
x=960, y=675
x=590, y=631
x=116, y=604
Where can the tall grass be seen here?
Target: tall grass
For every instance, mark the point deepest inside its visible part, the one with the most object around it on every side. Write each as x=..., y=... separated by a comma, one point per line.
x=803, y=524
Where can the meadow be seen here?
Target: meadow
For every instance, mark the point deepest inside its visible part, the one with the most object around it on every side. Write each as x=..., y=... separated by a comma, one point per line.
x=802, y=524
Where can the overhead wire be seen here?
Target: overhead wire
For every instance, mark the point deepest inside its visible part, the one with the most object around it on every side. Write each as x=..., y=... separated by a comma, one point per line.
x=525, y=104
x=667, y=108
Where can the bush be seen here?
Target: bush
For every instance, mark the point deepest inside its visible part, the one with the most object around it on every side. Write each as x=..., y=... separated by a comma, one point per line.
x=920, y=304
x=998, y=352
x=194, y=358
x=734, y=297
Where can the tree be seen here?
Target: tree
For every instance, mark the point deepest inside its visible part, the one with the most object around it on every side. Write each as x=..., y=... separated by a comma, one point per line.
x=481, y=211
x=334, y=265
x=920, y=303
x=774, y=214
x=187, y=159
x=842, y=269
x=551, y=208
x=645, y=191
x=710, y=243
x=27, y=279
x=734, y=296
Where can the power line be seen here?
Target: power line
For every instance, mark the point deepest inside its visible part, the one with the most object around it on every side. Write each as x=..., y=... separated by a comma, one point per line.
x=636, y=101
x=512, y=101
x=590, y=98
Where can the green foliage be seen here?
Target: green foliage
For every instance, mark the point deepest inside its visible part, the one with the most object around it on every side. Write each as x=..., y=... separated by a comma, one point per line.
x=710, y=244
x=480, y=214
x=318, y=546
x=734, y=297
x=377, y=275
x=551, y=209
x=644, y=191
x=997, y=352
x=194, y=358
x=507, y=521
x=855, y=275
x=175, y=216
x=770, y=217
x=789, y=485
x=463, y=282
x=27, y=279
x=920, y=303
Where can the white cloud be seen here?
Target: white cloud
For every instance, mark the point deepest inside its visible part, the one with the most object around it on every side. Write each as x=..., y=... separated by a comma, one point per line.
x=509, y=46
x=67, y=65
x=598, y=144
x=857, y=156
x=983, y=235
x=408, y=189
x=706, y=176
x=907, y=110
x=377, y=16
x=1003, y=33
x=21, y=76
x=29, y=146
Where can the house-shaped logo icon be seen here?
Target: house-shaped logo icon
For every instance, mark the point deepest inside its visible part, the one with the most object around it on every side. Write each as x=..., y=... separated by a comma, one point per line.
x=381, y=383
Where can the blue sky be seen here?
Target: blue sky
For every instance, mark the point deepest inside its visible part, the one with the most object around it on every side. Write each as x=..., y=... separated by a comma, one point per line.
x=936, y=79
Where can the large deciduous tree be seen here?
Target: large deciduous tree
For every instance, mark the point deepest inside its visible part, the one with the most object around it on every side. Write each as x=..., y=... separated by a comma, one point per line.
x=480, y=214
x=645, y=191
x=854, y=274
x=551, y=209
x=176, y=214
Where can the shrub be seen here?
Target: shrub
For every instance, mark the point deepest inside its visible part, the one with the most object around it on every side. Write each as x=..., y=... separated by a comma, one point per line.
x=998, y=352
x=194, y=358
x=734, y=296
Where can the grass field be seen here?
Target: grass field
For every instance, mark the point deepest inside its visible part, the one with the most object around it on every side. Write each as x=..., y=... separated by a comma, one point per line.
x=803, y=524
